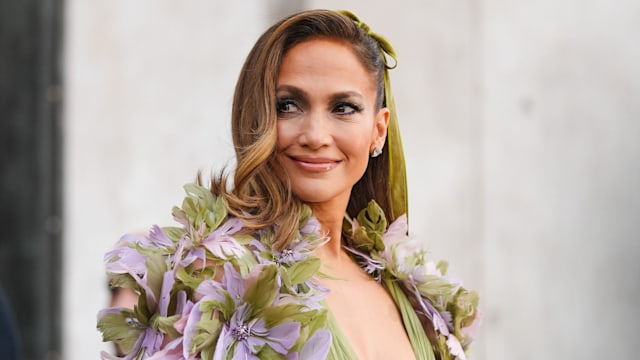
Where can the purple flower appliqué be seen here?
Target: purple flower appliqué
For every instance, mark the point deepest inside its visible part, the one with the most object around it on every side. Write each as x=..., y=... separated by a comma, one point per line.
x=372, y=266
x=246, y=337
x=148, y=340
x=125, y=260
x=220, y=242
x=245, y=333
x=297, y=252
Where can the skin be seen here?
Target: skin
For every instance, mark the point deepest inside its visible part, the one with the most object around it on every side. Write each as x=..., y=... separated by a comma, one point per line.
x=328, y=125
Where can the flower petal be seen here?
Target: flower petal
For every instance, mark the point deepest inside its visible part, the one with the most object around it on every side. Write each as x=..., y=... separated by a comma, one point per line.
x=455, y=348
x=124, y=260
x=317, y=347
x=171, y=351
x=282, y=337
x=397, y=231
x=191, y=330
x=222, y=344
x=159, y=238
x=165, y=293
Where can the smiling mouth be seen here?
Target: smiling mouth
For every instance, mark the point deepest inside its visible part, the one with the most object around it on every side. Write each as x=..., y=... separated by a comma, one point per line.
x=315, y=164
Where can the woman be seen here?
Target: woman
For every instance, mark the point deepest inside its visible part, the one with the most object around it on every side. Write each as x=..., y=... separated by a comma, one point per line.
x=271, y=267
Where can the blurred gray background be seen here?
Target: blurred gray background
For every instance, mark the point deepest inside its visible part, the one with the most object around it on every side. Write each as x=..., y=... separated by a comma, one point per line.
x=521, y=125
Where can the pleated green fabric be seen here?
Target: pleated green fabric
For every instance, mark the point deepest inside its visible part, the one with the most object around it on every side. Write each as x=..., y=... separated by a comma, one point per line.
x=342, y=350
x=421, y=345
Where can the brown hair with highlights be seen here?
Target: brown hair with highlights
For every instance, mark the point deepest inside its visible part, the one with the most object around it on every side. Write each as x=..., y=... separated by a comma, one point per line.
x=259, y=196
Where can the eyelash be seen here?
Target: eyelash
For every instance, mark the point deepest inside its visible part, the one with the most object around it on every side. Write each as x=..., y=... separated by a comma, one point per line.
x=338, y=108
x=284, y=102
x=355, y=108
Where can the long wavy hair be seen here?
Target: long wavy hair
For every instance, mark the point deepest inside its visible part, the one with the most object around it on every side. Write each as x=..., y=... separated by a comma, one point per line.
x=258, y=195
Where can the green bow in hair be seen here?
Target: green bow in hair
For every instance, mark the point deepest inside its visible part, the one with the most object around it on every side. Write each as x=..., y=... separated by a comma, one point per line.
x=397, y=168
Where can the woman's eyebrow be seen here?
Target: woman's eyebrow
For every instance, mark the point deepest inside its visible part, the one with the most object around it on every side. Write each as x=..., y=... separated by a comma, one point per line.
x=292, y=90
x=347, y=95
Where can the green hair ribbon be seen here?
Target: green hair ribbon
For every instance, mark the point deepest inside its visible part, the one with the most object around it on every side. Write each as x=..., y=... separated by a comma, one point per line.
x=397, y=167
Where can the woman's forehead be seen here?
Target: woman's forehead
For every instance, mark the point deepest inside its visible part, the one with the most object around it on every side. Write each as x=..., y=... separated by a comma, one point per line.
x=325, y=63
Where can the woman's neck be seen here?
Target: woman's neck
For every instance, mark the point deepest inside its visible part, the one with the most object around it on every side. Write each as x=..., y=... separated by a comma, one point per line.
x=330, y=217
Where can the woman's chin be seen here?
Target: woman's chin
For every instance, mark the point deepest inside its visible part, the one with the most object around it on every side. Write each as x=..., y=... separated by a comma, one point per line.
x=322, y=196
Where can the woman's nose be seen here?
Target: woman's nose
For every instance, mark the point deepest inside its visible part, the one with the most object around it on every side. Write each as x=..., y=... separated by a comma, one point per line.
x=315, y=131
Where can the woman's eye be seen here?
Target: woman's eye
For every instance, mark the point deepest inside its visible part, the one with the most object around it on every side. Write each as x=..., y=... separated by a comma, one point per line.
x=286, y=106
x=347, y=109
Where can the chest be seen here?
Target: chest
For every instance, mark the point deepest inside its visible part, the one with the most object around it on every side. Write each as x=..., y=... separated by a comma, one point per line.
x=366, y=315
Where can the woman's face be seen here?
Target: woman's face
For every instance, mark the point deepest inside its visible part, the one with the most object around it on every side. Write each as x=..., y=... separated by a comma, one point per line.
x=328, y=123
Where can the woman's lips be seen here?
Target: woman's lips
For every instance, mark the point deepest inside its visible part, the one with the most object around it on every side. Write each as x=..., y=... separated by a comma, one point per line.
x=315, y=164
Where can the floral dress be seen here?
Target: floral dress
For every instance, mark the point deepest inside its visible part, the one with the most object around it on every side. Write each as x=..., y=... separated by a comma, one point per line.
x=210, y=290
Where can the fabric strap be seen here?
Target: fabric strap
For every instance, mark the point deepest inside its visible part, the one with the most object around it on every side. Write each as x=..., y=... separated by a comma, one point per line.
x=397, y=168
x=419, y=340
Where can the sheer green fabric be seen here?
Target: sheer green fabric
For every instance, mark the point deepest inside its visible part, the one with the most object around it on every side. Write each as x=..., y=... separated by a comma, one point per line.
x=342, y=350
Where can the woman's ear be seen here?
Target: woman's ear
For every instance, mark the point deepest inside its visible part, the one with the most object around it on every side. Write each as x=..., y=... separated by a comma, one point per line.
x=380, y=129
